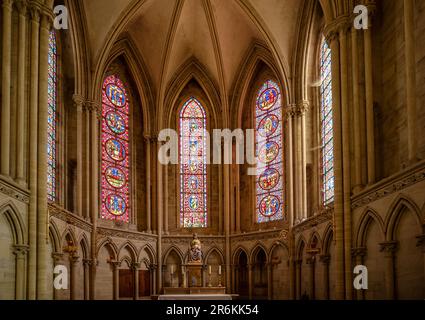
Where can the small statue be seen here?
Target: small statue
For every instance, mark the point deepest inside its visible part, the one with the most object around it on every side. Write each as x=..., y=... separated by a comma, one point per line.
x=195, y=252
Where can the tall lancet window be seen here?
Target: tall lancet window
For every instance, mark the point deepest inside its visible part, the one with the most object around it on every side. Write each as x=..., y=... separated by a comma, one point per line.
x=269, y=150
x=326, y=120
x=52, y=87
x=193, y=165
x=115, y=151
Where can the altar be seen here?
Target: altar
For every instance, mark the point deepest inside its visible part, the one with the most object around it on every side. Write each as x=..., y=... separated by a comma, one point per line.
x=196, y=283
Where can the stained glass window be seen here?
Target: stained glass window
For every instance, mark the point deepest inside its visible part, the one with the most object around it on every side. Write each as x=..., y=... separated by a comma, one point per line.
x=326, y=120
x=52, y=83
x=269, y=150
x=115, y=151
x=193, y=165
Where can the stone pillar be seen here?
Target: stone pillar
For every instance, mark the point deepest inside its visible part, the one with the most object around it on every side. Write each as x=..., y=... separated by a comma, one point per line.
x=389, y=248
x=42, y=222
x=338, y=166
x=325, y=260
x=86, y=268
x=227, y=194
x=136, y=267
x=73, y=263
x=160, y=198
x=370, y=122
x=311, y=263
x=148, y=141
x=409, y=35
x=421, y=243
x=165, y=212
x=87, y=109
x=346, y=156
x=250, y=280
x=33, y=150
x=301, y=157
x=270, y=281
x=78, y=102
x=6, y=84
x=290, y=165
x=298, y=265
x=358, y=257
x=20, y=252
x=57, y=260
x=116, y=279
x=95, y=109
x=20, y=114
x=154, y=269
x=356, y=108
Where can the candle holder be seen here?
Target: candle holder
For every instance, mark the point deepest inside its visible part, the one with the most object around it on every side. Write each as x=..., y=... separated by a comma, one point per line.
x=219, y=280
x=172, y=279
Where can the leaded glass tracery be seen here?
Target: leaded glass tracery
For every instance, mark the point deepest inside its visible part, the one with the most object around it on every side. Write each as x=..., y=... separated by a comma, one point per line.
x=115, y=151
x=52, y=83
x=269, y=150
x=193, y=165
x=326, y=119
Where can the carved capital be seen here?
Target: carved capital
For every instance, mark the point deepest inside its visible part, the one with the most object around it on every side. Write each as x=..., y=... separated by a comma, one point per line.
x=291, y=110
x=421, y=242
x=388, y=247
x=22, y=6
x=135, y=266
x=78, y=101
x=35, y=12
x=73, y=259
x=7, y=4
x=325, y=259
x=87, y=262
x=57, y=257
x=20, y=251
x=358, y=252
x=46, y=19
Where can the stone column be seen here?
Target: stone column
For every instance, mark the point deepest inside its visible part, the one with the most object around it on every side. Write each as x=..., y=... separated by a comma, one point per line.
x=20, y=252
x=409, y=35
x=87, y=109
x=290, y=166
x=389, y=248
x=73, y=263
x=301, y=182
x=325, y=260
x=358, y=257
x=136, y=267
x=311, y=263
x=346, y=155
x=33, y=150
x=42, y=221
x=78, y=102
x=20, y=114
x=370, y=122
x=116, y=279
x=6, y=84
x=421, y=243
x=57, y=260
x=356, y=108
x=160, y=203
x=338, y=166
x=250, y=280
x=95, y=110
x=298, y=265
x=227, y=194
x=148, y=141
x=165, y=212
x=270, y=281
x=154, y=269
x=86, y=268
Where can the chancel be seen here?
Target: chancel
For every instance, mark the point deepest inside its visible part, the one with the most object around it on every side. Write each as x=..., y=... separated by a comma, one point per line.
x=331, y=109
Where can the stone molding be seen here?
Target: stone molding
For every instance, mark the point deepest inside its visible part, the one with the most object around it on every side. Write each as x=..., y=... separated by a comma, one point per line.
x=390, y=185
x=9, y=188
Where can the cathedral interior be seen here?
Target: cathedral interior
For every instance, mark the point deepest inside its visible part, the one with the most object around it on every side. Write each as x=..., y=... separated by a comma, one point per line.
x=330, y=110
